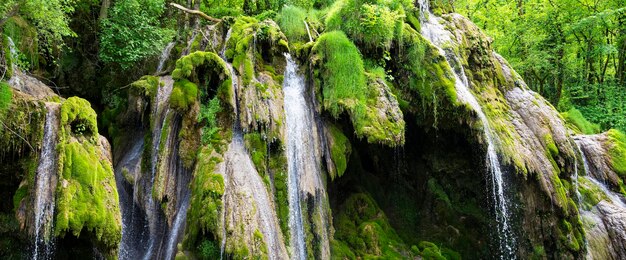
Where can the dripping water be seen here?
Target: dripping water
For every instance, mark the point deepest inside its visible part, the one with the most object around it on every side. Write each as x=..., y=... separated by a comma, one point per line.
x=45, y=187
x=432, y=30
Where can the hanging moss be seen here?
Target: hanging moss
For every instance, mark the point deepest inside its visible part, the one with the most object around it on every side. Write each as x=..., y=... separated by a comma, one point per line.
x=146, y=86
x=5, y=98
x=340, y=150
x=87, y=198
x=291, y=20
x=192, y=75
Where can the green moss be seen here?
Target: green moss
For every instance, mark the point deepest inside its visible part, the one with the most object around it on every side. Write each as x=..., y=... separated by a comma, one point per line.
x=438, y=192
x=257, y=147
x=340, y=150
x=362, y=230
x=551, y=145
x=184, y=95
x=6, y=95
x=278, y=166
x=291, y=20
x=617, y=152
x=341, y=72
x=192, y=77
x=207, y=189
x=86, y=194
x=421, y=69
x=146, y=86
x=579, y=123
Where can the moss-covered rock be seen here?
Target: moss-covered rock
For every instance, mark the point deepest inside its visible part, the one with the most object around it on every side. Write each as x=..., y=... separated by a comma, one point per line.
x=344, y=87
x=87, y=197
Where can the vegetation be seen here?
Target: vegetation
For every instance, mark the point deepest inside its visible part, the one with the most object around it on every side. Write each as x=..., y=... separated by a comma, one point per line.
x=571, y=52
x=132, y=32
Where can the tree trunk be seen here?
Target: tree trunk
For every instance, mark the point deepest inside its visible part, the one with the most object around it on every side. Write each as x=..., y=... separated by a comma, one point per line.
x=104, y=9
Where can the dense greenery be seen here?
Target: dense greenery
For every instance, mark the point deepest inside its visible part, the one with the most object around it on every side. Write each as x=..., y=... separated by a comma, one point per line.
x=367, y=69
x=572, y=52
x=132, y=32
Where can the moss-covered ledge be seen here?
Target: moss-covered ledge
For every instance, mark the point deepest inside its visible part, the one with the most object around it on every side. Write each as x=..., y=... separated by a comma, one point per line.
x=87, y=200
x=343, y=86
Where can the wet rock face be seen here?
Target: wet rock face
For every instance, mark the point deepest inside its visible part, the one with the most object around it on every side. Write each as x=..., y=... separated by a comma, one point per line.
x=31, y=86
x=595, y=149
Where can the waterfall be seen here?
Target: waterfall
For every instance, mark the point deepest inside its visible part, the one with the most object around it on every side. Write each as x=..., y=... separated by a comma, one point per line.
x=435, y=32
x=241, y=173
x=234, y=87
x=164, y=56
x=304, y=175
x=298, y=126
x=46, y=182
x=130, y=162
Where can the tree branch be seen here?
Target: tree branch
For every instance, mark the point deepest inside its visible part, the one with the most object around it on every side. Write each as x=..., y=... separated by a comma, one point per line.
x=196, y=12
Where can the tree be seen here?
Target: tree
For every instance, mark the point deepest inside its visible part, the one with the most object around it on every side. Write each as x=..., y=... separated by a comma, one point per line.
x=50, y=17
x=132, y=32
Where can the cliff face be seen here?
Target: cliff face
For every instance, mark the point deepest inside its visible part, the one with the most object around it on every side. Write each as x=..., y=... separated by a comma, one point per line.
x=416, y=141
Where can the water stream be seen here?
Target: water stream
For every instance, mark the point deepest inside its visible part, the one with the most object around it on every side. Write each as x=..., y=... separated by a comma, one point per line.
x=303, y=159
x=435, y=32
x=298, y=122
x=46, y=182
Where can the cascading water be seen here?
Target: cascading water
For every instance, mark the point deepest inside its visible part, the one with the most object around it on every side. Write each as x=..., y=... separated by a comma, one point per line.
x=436, y=33
x=46, y=182
x=304, y=175
x=241, y=172
x=297, y=116
x=234, y=86
x=164, y=56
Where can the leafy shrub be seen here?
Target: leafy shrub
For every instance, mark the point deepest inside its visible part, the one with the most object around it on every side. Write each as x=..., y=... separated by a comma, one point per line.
x=370, y=24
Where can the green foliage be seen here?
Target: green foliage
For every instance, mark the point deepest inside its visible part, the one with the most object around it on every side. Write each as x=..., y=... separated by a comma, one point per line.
x=370, y=24
x=617, y=151
x=24, y=36
x=51, y=18
x=576, y=120
x=133, y=32
x=208, y=115
x=566, y=50
x=209, y=250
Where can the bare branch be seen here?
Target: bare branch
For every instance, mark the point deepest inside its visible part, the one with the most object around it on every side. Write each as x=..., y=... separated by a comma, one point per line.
x=196, y=12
